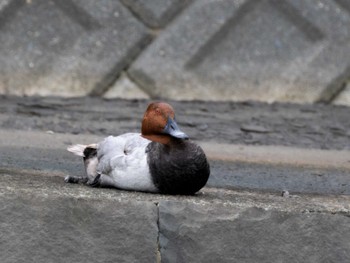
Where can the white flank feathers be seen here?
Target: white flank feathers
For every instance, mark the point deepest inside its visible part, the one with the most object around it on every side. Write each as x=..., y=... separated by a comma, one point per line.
x=121, y=162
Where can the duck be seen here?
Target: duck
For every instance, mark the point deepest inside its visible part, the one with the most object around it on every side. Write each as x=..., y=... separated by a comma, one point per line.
x=161, y=159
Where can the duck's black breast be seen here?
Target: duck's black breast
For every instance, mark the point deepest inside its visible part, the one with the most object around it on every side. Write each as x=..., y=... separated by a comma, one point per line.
x=181, y=168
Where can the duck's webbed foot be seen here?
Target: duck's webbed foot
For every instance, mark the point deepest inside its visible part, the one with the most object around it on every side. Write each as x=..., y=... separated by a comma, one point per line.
x=96, y=182
x=75, y=179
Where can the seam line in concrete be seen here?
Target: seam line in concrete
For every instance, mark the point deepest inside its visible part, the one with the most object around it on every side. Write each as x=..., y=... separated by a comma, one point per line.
x=159, y=255
x=308, y=29
x=112, y=76
x=218, y=36
x=141, y=84
x=334, y=88
x=136, y=15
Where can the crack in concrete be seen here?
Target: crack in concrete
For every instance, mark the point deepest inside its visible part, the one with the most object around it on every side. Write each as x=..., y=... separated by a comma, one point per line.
x=159, y=255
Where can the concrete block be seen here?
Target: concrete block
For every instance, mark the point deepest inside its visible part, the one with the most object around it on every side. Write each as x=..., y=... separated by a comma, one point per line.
x=156, y=13
x=65, y=48
x=53, y=228
x=344, y=97
x=267, y=50
x=232, y=233
x=125, y=88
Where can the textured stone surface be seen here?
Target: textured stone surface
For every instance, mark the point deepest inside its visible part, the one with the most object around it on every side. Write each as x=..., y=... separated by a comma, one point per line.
x=250, y=50
x=229, y=233
x=66, y=48
x=267, y=50
x=344, y=96
x=45, y=228
x=43, y=219
x=156, y=13
x=126, y=89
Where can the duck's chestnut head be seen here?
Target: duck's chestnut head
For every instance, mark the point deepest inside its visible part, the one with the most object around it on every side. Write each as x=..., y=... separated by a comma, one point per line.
x=159, y=124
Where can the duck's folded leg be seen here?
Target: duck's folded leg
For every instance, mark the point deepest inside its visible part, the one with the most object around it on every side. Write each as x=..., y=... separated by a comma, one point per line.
x=96, y=182
x=102, y=180
x=75, y=179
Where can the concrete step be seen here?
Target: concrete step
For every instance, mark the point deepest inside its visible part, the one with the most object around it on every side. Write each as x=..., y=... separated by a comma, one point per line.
x=45, y=220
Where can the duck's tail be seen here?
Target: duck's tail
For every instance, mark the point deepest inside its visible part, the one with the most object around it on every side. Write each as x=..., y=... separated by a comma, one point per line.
x=81, y=149
x=89, y=154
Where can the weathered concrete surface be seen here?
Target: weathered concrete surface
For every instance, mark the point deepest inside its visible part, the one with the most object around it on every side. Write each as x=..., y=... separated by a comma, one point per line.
x=250, y=50
x=156, y=13
x=66, y=48
x=45, y=220
x=126, y=89
x=269, y=50
x=232, y=233
x=52, y=228
x=344, y=96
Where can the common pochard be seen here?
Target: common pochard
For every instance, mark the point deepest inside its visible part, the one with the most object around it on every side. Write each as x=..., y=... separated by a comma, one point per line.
x=161, y=159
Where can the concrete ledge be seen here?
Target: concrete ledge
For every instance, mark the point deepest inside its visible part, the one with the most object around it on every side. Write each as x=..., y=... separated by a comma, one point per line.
x=48, y=220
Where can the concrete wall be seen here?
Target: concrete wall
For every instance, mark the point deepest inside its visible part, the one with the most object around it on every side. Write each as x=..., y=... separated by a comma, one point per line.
x=266, y=50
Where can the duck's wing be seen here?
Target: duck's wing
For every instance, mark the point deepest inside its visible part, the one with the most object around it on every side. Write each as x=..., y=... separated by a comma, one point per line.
x=114, y=151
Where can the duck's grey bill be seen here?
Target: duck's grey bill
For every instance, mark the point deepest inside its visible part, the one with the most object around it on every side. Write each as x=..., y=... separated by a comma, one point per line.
x=173, y=130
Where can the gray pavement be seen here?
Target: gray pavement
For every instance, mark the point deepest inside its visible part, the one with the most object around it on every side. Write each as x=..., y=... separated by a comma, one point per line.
x=262, y=168
x=241, y=215
x=249, y=123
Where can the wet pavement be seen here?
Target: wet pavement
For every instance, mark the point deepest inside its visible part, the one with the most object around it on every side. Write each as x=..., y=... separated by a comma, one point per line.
x=308, y=126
